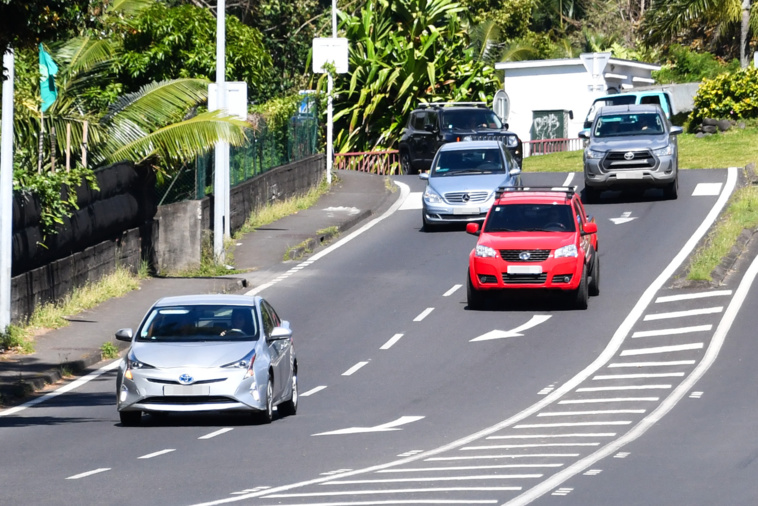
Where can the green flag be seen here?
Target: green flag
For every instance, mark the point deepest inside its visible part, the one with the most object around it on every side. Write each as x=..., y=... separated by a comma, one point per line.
x=47, y=70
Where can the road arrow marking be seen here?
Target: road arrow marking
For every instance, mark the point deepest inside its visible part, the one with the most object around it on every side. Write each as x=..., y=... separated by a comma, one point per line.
x=379, y=428
x=626, y=217
x=502, y=334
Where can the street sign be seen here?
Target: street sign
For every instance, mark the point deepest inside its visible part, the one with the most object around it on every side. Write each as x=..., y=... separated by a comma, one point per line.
x=330, y=50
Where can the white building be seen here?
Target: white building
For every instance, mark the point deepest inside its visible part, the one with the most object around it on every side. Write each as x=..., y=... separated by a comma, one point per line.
x=552, y=97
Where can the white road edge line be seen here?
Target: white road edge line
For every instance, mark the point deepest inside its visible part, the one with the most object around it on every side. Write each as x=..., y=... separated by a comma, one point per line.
x=313, y=391
x=157, y=454
x=216, y=433
x=568, y=180
x=89, y=473
x=606, y=355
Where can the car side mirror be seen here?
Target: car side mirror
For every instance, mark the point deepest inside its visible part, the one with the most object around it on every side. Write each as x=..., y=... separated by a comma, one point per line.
x=124, y=335
x=505, y=125
x=423, y=175
x=515, y=171
x=472, y=228
x=280, y=333
x=571, y=114
x=584, y=134
x=676, y=130
x=590, y=228
x=430, y=128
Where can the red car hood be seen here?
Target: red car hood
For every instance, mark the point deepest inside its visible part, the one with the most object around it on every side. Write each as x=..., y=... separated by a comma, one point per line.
x=527, y=240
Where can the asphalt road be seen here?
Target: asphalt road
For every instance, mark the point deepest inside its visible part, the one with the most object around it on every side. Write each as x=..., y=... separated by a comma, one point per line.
x=400, y=405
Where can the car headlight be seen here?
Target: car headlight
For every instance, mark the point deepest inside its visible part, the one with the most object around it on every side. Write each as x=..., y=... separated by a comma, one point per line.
x=132, y=363
x=591, y=153
x=244, y=363
x=431, y=196
x=511, y=141
x=467, y=138
x=567, y=251
x=485, y=251
x=667, y=151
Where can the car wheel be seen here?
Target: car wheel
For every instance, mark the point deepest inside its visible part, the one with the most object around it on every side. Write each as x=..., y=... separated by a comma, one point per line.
x=591, y=195
x=289, y=407
x=268, y=414
x=130, y=418
x=581, y=294
x=476, y=299
x=405, y=163
x=594, y=285
x=671, y=190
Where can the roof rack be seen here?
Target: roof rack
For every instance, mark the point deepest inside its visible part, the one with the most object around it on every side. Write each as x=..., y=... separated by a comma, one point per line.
x=452, y=104
x=569, y=190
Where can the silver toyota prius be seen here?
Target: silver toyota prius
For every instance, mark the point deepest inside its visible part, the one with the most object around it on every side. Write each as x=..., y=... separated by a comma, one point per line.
x=208, y=353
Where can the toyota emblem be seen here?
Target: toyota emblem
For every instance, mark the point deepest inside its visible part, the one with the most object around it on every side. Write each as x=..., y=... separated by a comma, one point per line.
x=466, y=197
x=186, y=379
x=525, y=255
x=629, y=155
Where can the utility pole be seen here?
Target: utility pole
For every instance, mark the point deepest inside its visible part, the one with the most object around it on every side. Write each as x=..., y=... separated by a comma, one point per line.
x=221, y=152
x=329, y=120
x=6, y=193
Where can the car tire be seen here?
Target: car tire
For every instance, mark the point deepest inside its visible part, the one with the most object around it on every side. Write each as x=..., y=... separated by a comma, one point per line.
x=581, y=294
x=406, y=167
x=267, y=415
x=591, y=195
x=593, y=287
x=475, y=299
x=671, y=190
x=130, y=418
x=289, y=407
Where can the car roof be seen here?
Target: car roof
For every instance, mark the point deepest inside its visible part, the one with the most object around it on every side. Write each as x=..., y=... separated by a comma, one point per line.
x=208, y=298
x=469, y=145
x=535, y=195
x=638, y=108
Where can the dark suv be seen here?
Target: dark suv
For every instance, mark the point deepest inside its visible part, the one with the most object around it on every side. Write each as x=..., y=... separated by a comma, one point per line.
x=432, y=125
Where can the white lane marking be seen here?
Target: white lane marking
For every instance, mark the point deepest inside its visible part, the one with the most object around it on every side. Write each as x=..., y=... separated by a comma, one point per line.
x=696, y=395
x=535, y=445
x=623, y=388
x=706, y=190
x=563, y=491
x=502, y=334
x=385, y=427
x=651, y=364
x=88, y=473
x=690, y=296
x=672, y=332
x=218, y=432
x=506, y=456
x=684, y=314
x=466, y=468
x=568, y=180
x=593, y=472
x=610, y=399
x=393, y=340
x=157, y=454
x=423, y=314
x=62, y=390
x=600, y=377
x=313, y=391
x=574, y=424
x=451, y=291
x=625, y=217
x=548, y=436
x=621, y=455
x=404, y=191
x=413, y=202
x=594, y=412
x=354, y=368
x=662, y=349
x=602, y=360
x=400, y=491
x=437, y=478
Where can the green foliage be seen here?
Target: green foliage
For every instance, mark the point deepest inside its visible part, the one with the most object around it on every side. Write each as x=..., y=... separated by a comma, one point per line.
x=24, y=23
x=16, y=338
x=108, y=350
x=402, y=53
x=684, y=65
x=165, y=43
x=511, y=18
x=731, y=95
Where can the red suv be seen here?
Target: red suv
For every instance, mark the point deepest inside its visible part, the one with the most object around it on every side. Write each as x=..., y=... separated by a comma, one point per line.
x=534, y=237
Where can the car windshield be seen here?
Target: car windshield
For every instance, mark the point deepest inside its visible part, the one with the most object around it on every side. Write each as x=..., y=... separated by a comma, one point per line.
x=530, y=218
x=473, y=161
x=199, y=323
x=469, y=119
x=628, y=124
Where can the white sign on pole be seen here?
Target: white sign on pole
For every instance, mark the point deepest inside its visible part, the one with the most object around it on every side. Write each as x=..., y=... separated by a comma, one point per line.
x=236, y=98
x=330, y=50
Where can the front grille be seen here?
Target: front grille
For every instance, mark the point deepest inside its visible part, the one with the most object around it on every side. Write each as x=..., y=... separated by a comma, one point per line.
x=643, y=159
x=535, y=255
x=525, y=279
x=466, y=197
x=189, y=399
x=173, y=382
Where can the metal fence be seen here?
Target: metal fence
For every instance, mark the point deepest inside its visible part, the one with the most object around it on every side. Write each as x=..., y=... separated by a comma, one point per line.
x=547, y=146
x=375, y=162
x=265, y=149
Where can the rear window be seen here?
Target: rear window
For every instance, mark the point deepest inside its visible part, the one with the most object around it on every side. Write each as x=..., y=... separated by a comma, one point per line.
x=530, y=218
x=199, y=323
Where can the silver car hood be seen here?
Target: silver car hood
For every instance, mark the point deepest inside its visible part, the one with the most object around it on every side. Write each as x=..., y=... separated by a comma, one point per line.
x=630, y=143
x=202, y=354
x=488, y=182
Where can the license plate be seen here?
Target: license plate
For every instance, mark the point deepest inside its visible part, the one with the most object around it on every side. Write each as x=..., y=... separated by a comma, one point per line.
x=631, y=174
x=465, y=210
x=524, y=269
x=180, y=390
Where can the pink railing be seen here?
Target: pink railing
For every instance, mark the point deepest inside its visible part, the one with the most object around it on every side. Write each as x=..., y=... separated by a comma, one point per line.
x=547, y=146
x=375, y=162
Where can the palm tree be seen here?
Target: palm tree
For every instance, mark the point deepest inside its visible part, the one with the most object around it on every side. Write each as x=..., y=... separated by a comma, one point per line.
x=667, y=19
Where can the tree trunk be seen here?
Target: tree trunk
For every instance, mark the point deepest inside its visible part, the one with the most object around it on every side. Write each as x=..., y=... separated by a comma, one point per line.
x=745, y=26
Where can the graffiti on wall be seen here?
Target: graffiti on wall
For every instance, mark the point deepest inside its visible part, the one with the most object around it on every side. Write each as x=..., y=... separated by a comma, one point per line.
x=547, y=127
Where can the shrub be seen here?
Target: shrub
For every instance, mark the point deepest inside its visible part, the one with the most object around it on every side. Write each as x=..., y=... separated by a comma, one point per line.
x=732, y=95
x=683, y=65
